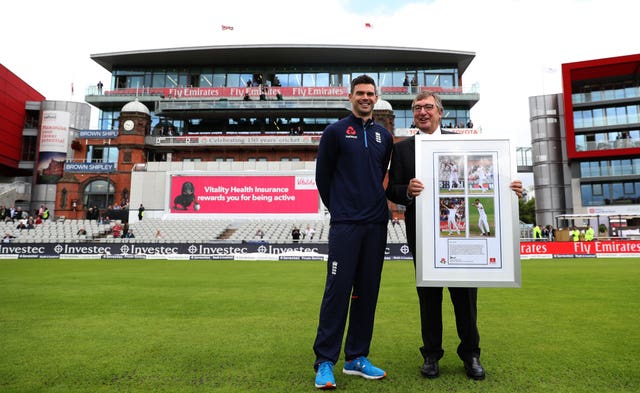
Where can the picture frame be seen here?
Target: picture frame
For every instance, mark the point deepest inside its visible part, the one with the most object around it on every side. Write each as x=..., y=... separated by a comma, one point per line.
x=467, y=216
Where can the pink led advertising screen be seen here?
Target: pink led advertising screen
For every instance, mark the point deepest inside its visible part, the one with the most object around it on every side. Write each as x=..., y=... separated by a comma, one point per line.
x=244, y=194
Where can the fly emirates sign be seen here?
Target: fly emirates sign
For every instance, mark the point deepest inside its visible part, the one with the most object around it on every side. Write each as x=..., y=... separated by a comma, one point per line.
x=630, y=248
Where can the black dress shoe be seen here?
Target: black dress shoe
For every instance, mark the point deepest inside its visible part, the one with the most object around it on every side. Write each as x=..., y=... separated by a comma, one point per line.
x=430, y=368
x=474, y=369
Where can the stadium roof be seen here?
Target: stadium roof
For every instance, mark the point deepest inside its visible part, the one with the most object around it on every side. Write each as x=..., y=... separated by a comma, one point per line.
x=283, y=55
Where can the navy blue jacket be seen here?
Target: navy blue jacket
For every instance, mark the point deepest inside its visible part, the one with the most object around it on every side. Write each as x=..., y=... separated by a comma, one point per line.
x=353, y=157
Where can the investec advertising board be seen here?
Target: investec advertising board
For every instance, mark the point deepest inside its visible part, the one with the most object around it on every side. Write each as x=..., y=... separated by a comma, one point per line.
x=259, y=194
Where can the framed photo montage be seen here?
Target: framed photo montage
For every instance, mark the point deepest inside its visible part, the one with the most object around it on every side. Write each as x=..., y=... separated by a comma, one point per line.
x=467, y=217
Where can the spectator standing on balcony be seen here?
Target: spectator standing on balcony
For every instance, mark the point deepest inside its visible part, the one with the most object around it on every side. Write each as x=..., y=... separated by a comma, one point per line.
x=140, y=212
x=406, y=81
x=353, y=156
x=100, y=87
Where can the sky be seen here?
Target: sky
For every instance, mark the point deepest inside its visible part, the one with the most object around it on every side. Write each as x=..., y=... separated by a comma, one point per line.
x=519, y=45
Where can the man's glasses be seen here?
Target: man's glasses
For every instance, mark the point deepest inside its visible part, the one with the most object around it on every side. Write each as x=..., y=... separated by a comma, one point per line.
x=419, y=108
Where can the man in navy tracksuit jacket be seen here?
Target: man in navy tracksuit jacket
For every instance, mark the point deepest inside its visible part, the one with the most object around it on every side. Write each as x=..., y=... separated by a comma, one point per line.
x=353, y=157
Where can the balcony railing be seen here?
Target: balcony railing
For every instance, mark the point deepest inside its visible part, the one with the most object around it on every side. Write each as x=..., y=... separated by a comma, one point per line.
x=203, y=104
x=628, y=143
x=270, y=92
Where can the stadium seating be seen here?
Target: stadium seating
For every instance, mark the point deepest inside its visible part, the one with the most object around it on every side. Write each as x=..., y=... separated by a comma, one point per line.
x=191, y=230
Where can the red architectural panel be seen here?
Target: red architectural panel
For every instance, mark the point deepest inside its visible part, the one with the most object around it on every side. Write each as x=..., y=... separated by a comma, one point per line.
x=598, y=70
x=14, y=93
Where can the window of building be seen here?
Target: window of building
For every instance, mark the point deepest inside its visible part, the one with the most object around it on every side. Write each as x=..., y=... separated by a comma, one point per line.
x=581, y=143
x=205, y=80
x=219, y=80
x=102, y=154
x=597, y=189
x=577, y=119
x=612, y=118
x=386, y=79
x=32, y=119
x=98, y=193
x=628, y=188
x=598, y=117
x=587, y=119
x=29, y=144
x=154, y=156
x=315, y=79
x=632, y=114
x=290, y=80
x=136, y=81
x=611, y=193
x=403, y=118
x=171, y=79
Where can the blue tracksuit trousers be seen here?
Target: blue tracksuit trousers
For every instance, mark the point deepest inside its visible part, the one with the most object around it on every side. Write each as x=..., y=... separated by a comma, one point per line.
x=354, y=269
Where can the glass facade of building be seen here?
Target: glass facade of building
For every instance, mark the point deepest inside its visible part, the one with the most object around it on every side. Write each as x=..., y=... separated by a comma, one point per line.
x=146, y=79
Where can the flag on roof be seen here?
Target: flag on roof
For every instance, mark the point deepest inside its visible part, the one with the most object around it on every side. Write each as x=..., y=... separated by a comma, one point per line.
x=225, y=27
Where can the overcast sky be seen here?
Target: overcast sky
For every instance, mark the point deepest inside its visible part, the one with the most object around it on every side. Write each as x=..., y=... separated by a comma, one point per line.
x=519, y=45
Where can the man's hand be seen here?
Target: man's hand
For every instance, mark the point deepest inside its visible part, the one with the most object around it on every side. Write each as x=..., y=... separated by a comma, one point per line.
x=414, y=188
x=516, y=186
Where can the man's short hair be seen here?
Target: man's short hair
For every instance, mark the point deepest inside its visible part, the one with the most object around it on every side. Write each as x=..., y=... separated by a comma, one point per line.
x=428, y=93
x=362, y=80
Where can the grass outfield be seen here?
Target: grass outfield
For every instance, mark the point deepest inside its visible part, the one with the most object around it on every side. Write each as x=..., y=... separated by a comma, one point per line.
x=187, y=326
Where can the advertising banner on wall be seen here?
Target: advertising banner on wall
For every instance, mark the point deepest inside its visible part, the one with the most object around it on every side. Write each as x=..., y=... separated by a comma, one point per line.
x=54, y=141
x=233, y=194
x=597, y=248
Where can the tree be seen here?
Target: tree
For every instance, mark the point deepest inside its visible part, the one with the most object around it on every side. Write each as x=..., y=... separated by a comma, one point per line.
x=527, y=210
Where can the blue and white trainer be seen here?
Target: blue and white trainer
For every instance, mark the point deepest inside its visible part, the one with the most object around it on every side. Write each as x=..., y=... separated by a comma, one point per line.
x=324, y=376
x=362, y=366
